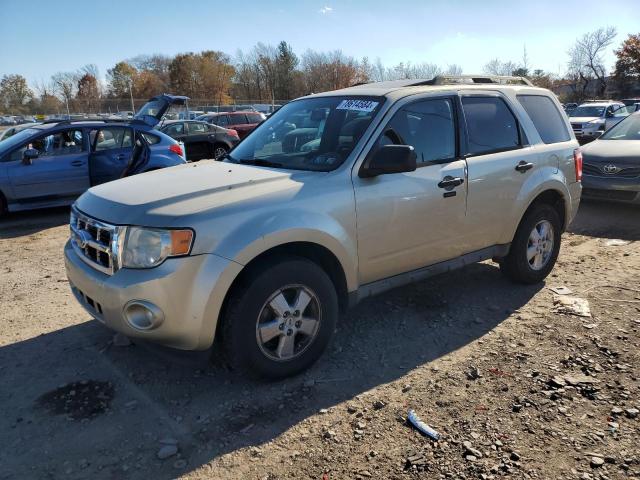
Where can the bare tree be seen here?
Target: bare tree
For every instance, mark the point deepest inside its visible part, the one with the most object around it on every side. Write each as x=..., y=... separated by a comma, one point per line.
x=497, y=67
x=586, y=59
x=65, y=85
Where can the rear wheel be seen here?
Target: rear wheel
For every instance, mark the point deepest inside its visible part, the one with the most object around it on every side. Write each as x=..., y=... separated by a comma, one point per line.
x=3, y=206
x=535, y=247
x=219, y=151
x=282, y=320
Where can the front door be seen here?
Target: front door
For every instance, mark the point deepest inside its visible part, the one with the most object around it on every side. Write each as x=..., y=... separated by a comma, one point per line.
x=406, y=221
x=110, y=153
x=60, y=173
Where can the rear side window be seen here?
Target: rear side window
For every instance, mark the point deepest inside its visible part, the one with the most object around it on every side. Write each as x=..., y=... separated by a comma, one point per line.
x=197, y=128
x=111, y=138
x=491, y=126
x=175, y=129
x=150, y=138
x=546, y=118
x=221, y=120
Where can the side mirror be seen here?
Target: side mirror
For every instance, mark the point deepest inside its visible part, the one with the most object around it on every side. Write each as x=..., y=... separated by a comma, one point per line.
x=389, y=159
x=609, y=114
x=29, y=155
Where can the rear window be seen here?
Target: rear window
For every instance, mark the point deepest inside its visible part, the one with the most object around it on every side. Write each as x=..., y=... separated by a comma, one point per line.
x=491, y=126
x=150, y=138
x=546, y=118
x=254, y=117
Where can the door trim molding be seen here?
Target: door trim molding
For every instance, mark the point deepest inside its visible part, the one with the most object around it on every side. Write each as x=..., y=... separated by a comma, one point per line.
x=380, y=286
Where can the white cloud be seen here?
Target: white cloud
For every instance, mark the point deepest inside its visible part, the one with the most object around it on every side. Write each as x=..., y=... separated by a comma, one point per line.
x=326, y=10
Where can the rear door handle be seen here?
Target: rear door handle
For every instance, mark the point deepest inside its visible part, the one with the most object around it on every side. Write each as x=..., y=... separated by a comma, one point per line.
x=523, y=166
x=120, y=156
x=77, y=163
x=450, y=182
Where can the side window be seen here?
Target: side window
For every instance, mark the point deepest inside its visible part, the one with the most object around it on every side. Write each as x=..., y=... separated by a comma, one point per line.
x=545, y=116
x=491, y=126
x=197, y=128
x=60, y=143
x=238, y=119
x=428, y=126
x=254, y=117
x=175, y=129
x=221, y=120
x=111, y=138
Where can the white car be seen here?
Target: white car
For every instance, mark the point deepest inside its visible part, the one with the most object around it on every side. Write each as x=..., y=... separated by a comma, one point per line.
x=620, y=115
x=589, y=119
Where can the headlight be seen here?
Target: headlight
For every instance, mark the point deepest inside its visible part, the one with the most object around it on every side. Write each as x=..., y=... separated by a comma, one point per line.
x=149, y=247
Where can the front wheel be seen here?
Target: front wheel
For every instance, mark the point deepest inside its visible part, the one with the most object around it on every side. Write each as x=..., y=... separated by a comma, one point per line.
x=281, y=320
x=535, y=247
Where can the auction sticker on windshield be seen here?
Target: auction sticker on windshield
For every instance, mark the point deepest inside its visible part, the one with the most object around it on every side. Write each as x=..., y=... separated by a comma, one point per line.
x=357, y=105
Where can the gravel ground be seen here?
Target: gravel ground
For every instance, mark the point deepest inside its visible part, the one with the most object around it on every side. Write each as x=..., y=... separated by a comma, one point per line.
x=515, y=387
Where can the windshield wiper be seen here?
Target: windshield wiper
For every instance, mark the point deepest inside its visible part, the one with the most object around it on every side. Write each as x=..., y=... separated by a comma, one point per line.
x=260, y=162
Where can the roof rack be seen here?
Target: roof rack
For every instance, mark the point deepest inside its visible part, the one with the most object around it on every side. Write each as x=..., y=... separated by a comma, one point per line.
x=475, y=79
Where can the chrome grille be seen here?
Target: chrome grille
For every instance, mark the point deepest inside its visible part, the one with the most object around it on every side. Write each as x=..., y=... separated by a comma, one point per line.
x=95, y=242
x=595, y=170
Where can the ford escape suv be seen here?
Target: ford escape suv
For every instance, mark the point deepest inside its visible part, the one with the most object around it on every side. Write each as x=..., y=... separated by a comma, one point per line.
x=336, y=197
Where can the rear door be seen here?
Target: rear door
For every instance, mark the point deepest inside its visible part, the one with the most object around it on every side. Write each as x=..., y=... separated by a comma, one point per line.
x=406, y=221
x=60, y=172
x=500, y=164
x=200, y=141
x=111, y=149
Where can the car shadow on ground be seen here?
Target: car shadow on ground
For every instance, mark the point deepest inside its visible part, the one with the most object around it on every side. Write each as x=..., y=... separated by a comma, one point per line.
x=607, y=220
x=207, y=409
x=18, y=224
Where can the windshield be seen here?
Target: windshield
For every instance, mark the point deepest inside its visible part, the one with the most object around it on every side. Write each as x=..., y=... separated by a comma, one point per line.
x=627, y=129
x=310, y=134
x=18, y=138
x=587, y=111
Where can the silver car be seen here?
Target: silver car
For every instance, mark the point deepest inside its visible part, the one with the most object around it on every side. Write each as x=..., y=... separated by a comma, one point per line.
x=335, y=197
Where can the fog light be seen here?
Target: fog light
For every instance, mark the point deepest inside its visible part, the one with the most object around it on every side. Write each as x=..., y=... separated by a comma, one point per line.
x=143, y=315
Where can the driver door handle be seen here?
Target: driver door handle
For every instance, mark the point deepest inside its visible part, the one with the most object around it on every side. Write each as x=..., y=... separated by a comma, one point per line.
x=449, y=182
x=77, y=163
x=523, y=166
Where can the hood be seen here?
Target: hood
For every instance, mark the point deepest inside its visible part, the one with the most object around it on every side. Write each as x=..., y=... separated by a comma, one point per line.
x=164, y=198
x=622, y=153
x=584, y=119
x=152, y=112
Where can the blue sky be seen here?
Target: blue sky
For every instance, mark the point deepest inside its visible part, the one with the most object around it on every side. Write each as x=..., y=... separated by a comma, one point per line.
x=43, y=37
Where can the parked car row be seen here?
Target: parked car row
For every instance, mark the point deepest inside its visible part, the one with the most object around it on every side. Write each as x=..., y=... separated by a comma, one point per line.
x=591, y=119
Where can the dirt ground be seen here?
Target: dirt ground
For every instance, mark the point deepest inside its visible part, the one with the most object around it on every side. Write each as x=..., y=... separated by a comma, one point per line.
x=515, y=388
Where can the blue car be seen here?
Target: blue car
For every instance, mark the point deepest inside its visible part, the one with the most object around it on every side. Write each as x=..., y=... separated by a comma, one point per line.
x=52, y=163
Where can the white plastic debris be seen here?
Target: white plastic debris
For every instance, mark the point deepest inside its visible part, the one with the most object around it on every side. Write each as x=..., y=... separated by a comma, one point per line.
x=561, y=290
x=616, y=242
x=421, y=426
x=571, y=305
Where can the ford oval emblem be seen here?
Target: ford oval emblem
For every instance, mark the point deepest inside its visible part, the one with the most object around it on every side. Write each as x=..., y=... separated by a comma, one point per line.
x=83, y=238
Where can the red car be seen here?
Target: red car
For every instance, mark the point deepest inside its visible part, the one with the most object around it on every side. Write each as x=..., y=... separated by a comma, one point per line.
x=241, y=122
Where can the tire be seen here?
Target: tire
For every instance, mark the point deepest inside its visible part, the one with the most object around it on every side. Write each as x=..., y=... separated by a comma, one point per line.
x=3, y=206
x=218, y=150
x=519, y=265
x=256, y=339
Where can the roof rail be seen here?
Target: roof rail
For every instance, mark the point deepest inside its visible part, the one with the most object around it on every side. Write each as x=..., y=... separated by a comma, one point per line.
x=97, y=119
x=474, y=79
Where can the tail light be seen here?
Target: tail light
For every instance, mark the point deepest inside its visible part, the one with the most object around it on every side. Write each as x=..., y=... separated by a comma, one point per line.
x=232, y=133
x=577, y=159
x=177, y=149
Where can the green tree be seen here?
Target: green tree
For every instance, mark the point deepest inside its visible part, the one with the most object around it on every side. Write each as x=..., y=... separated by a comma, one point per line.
x=120, y=79
x=14, y=93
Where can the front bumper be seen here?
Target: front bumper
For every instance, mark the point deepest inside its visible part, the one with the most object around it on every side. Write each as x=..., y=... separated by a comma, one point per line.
x=189, y=291
x=611, y=188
